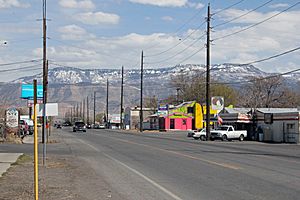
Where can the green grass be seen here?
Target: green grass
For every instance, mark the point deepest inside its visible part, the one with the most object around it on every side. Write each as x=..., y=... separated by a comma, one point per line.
x=22, y=159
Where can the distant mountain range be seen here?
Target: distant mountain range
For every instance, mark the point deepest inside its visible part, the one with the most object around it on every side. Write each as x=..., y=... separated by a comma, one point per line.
x=70, y=85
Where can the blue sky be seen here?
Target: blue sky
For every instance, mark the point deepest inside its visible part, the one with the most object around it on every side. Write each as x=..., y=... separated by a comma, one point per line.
x=112, y=33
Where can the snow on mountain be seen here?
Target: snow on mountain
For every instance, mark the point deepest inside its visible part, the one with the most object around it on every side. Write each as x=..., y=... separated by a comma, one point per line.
x=221, y=72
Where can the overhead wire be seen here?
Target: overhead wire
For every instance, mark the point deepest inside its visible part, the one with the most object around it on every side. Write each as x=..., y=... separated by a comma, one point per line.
x=256, y=24
x=23, y=68
x=181, y=41
x=243, y=15
x=173, y=56
x=20, y=62
x=226, y=8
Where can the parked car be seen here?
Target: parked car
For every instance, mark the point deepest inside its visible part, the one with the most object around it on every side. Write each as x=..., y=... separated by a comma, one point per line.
x=23, y=127
x=79, y=126
x=191, y=133
x=227, y=133
x=101, y=126
x=200, y=134
x=88, y=126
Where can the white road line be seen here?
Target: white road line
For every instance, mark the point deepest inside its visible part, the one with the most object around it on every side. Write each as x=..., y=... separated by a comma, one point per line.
x=135, y=171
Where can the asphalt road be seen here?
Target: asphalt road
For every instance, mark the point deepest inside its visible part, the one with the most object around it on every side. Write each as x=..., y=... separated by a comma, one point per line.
x=172, y=166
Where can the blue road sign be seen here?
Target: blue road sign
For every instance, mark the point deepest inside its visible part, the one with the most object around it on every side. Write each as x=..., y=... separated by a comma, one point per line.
x=27, y=91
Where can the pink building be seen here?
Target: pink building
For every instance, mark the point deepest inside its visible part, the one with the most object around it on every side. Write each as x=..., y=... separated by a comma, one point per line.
x=176, y=121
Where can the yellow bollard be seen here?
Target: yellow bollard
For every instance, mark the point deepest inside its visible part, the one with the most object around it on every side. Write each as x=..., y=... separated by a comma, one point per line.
x=36, y=173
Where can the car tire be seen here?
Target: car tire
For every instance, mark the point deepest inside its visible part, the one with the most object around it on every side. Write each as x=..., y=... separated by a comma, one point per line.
x=196, y=138
x=224, y=137
x=241, y=138
x=202, y=138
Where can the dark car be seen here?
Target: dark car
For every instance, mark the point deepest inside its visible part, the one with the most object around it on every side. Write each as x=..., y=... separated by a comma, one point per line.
x=79, y=126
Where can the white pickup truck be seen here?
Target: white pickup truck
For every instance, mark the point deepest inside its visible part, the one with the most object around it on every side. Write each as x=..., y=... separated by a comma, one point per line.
x=227, y=133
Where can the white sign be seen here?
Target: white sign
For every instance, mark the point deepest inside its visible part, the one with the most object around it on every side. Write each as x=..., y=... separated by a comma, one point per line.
x=51, y=109
x=217, y=103
x=12, y=118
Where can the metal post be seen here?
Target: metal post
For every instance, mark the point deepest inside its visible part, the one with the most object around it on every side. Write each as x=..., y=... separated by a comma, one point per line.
x=94, y=107
x=107, y=84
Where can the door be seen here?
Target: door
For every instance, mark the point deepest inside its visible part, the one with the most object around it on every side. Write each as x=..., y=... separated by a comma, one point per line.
x=172, y=123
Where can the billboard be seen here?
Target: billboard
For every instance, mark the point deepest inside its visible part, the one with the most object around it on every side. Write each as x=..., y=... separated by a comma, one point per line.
x=217, y=103
x=27, y=91
x=51, y=109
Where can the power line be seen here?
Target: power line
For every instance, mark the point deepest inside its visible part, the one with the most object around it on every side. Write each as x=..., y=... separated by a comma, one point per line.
x=22, y=68
x=20, y=62
x=272, y=57
x=259, y=79
x=157, y=54
x=247, y=13
x=173, y=56
x=228, y=7
x=256, y=24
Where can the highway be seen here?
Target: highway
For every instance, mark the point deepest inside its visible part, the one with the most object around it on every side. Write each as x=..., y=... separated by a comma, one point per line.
x=172, y=166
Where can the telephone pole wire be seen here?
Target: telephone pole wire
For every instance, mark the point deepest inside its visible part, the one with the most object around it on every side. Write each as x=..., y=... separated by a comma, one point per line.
x=121, y=113
x=141, y=106
x=208, y=75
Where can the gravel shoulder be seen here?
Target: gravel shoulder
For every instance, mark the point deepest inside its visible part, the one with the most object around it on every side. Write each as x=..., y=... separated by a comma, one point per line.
x=63, y=177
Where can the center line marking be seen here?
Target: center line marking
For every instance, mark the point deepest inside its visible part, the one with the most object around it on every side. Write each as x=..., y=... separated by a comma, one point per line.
x=134, y=171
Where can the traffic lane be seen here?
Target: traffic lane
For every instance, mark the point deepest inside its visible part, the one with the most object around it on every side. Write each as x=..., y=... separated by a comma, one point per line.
x=235, y=152
x=256, y=164
x=122, y=178
x=208, y=162
x=287, y=151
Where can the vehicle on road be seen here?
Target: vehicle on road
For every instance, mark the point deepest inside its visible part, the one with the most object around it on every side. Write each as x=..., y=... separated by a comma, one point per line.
x=200, y=134
x=79, y=126
x=227, y=133
x=58, y=126
x=191, y=133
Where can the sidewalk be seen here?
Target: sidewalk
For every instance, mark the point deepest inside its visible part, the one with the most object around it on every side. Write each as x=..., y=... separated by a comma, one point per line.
x=6, y=159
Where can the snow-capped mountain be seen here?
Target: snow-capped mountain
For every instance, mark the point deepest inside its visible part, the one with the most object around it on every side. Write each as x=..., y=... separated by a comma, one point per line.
x=221, y=72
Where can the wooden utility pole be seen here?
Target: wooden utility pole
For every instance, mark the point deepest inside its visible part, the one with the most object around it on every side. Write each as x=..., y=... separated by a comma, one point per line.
x=83, y=111
x=208, y=75
x=44, y=80
x=94, y=107
x=87, y=111
x=121, y=113
x=141, y=105
x=107, y=84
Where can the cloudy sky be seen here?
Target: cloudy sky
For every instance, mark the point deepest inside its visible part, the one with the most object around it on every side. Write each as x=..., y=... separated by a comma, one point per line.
x=112, y=33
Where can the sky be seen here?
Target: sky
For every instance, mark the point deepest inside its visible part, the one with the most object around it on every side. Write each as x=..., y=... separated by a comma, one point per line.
x=105, y=34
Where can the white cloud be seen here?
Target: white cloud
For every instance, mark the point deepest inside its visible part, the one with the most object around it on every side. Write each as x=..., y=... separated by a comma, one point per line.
x=83, y=4
x=279, y=5
x=74, y=32
x=195, y=5
x=167, y=18
x=162, y=3
x=13, y=3
x=95, y=18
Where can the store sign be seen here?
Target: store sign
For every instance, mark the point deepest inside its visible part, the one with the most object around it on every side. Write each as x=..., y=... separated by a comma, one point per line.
x=30, y=102
x=12, y=118
x=28, y=91
x=217, y=103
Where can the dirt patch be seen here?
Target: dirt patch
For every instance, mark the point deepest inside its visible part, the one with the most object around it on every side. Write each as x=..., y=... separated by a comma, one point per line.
x=61, y=178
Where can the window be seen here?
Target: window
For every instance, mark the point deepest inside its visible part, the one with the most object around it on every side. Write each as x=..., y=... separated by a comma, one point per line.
x=290, y=126
x=268, y=118
x=190, y=110
x=184, y=122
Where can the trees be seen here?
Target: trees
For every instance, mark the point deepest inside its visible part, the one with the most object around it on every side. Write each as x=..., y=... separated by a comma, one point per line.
x=192, y=88
x=268, y=92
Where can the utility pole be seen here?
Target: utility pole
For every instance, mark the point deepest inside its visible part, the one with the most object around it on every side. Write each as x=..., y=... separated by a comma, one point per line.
x=208, y=75
x=94, y=107
x=121, y=113
x=87, y=111
x=107, y=84
x=83, y=111
x=77, y=111
x=80, y=110
x=141, y=106
x=44, y=79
